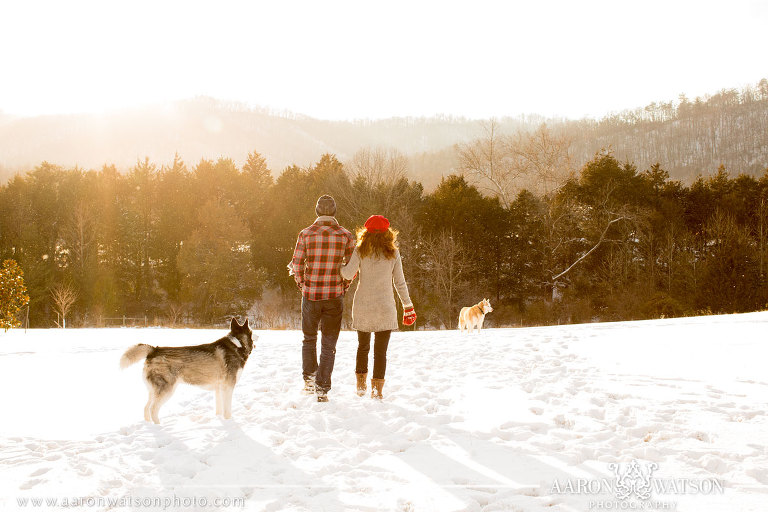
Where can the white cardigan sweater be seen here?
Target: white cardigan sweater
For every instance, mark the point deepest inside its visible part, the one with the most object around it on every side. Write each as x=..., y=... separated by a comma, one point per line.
x=373, y=308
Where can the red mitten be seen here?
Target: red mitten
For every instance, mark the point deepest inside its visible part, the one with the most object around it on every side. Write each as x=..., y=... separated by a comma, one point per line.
x=409, y=316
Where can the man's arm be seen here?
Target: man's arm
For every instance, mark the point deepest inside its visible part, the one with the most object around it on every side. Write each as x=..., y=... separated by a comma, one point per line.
x=348, y=251
x=296, y=266
x=350, y=248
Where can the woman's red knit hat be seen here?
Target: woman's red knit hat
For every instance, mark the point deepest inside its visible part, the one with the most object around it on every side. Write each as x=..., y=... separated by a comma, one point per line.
x=376, y=223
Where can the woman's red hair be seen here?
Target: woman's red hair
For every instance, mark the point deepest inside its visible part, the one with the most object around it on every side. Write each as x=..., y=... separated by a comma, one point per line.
x=377, y=243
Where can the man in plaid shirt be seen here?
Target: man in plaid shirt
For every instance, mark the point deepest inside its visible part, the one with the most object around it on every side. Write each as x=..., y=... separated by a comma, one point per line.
x=320, y=251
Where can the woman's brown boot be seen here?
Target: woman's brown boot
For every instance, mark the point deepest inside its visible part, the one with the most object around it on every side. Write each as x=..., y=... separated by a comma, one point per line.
x=376, y=386
x=361, y=386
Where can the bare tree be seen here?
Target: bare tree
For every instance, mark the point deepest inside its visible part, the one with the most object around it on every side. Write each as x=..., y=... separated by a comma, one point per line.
x=762, y=89
x=378, y=165
x=680, y=254
x=444, y=264
x=574, y=231
x=275, y=310
x=596, y=244
x=544, y=157
x=488, y=161
x=80, y=233
x=64, y=296
x=615, y=270
x=504, y=165
x=375, y=174
x=762, y=234
x=176, y=312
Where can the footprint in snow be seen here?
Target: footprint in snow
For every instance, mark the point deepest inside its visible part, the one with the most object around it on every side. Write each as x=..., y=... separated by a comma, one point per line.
x=126, y=431
x=405, y=506
x=758, y=474
x=83, y=470
x=598, y=414
x=111, y=484
x=701, y=436
x=563, y=422
x=30, y=484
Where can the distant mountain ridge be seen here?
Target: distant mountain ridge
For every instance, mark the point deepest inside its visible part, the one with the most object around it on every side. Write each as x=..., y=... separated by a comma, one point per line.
x=687, y=137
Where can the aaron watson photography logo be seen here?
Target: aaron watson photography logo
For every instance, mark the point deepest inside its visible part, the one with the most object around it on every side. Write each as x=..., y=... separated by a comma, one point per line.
x=634, y=487
x=633, y=482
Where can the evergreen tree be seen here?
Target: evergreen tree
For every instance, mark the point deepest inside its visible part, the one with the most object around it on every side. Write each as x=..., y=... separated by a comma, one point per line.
x=139, y=228
x=13, y=294
x=176, y=214
x=218, y=275
x=458, y=211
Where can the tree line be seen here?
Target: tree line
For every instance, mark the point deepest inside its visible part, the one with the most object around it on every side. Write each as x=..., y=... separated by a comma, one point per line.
x=547, y=244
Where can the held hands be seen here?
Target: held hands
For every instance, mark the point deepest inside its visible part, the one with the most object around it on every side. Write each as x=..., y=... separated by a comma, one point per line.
x=409, y=316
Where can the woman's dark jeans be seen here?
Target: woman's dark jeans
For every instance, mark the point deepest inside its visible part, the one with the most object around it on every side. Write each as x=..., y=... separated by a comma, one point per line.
x=380, y=343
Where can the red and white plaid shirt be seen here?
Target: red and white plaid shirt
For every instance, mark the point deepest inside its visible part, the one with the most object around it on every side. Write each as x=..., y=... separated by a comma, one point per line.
x=320, y=251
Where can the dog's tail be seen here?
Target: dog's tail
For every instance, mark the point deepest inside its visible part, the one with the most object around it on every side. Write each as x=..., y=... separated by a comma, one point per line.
x=135, y=354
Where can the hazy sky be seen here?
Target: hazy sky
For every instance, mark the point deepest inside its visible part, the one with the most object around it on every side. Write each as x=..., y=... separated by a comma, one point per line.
x=365, y=59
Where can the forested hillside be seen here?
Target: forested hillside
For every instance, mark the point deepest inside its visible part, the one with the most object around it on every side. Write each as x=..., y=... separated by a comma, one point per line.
x=688, y=137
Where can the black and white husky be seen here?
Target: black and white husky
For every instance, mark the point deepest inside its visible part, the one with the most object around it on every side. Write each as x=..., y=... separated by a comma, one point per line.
x=215, y=366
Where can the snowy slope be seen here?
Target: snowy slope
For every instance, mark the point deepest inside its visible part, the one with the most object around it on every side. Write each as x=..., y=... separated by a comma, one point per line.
x=481, y=423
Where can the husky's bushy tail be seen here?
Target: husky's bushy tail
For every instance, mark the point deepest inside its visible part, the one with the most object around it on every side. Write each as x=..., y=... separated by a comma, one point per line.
x=135, y=354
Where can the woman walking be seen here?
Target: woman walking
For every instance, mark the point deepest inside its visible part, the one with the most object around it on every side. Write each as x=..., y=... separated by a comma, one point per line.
x=377, y=260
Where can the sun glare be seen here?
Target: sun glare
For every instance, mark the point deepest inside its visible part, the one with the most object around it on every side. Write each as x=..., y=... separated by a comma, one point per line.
x=360, y=60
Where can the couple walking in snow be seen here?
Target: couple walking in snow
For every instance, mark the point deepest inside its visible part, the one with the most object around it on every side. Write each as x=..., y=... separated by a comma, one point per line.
x=325, y=262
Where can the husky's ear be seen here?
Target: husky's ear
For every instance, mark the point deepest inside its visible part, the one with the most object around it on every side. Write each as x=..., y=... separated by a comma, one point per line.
x=245, y=325
x=234, y=325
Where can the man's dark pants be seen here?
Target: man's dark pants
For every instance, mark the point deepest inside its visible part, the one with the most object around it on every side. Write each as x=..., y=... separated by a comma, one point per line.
x=325, y=314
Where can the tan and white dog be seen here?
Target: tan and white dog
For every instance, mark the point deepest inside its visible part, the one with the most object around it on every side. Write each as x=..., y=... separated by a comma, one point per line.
x=474, y=316
x=215, y=366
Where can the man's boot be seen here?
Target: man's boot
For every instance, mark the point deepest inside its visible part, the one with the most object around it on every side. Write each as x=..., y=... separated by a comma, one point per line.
x=309, y=385
x=361, y=383
x=376, y=386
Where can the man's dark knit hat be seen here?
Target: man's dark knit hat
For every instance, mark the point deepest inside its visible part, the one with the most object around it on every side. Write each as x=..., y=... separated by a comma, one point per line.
x=325, y=206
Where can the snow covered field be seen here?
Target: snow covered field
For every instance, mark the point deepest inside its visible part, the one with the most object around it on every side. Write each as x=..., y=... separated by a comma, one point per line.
x=493, y=422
